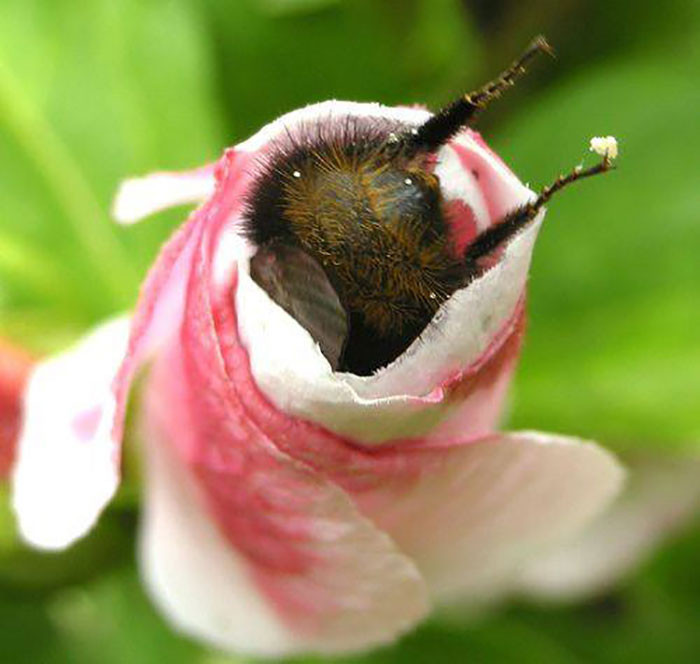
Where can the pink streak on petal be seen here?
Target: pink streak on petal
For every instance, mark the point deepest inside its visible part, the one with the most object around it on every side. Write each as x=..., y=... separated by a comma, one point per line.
x=85, y=423
x=500, y=188
x=15, y=365
x=161, y=303
x=462, y=225
x=479, y=140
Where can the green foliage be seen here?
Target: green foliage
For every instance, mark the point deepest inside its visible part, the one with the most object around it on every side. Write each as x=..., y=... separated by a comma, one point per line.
x=88, y=94
x=93, y=92
x=394, y=51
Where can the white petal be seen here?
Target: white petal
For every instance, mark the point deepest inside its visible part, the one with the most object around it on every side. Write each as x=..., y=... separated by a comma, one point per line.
x=481, y=509
x=290, y=369
x=327, y=109
x=207, y=589
x=663, y=494
x=140, y=197
x=67, y=467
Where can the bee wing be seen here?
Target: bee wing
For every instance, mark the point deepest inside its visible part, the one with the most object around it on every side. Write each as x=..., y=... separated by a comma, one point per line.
x=297, y=283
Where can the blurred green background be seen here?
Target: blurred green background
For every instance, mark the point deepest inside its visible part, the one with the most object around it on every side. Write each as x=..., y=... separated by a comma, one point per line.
x=91, y=92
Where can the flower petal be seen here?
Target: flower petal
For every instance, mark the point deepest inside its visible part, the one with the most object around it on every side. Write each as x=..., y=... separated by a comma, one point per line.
x=243, y=546
x=468, y=511
x=663, y=495
x=356, y=589
x=140, y=197
x=500, y=188
x=67, y=465
x=476, y=512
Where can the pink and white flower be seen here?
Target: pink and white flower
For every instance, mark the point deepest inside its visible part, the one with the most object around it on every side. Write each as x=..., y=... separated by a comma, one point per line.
x=288, y=507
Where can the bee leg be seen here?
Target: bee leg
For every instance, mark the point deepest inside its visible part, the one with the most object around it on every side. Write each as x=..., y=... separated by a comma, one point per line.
x=516, y=220
x=449, y=120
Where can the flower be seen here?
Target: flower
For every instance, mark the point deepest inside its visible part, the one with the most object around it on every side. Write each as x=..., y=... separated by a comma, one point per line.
x=290, y=507
x=15, y=365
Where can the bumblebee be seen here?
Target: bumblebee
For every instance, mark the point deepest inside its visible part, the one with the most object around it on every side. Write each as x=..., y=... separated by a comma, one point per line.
x=352, y=233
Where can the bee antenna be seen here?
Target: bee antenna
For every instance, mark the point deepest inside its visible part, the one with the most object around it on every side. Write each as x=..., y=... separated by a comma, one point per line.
x=516, y=220
x=449, y=120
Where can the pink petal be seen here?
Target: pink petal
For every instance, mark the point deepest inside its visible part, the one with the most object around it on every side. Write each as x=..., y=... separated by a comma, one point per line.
x=662, y=496
x=67, y=462
x=263, y=475
x=209, y=590
x=500, y=188
x=140, y=197
x=285, y=563
x=469, y=512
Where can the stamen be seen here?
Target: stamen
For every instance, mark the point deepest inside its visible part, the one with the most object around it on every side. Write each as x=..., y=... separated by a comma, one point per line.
x=605, y=146
x=516, y=220
x=448, y=121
